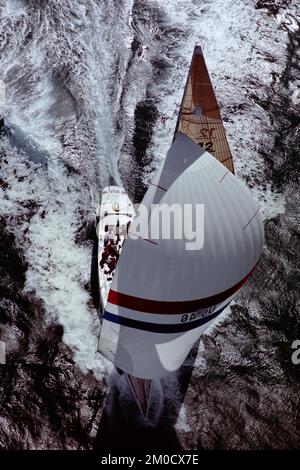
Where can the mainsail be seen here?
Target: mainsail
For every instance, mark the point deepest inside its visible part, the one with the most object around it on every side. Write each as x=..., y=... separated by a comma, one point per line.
x=200, y=117
x=164, y=296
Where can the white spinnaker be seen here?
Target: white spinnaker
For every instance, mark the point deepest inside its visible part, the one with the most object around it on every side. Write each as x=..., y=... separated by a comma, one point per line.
x=163, y=296
x=179, y=157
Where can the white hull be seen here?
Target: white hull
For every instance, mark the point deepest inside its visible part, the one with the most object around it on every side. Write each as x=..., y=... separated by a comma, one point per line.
x=115, y=214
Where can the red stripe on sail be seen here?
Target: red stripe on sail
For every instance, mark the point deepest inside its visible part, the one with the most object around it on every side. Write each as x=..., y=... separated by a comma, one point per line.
x=172, y=308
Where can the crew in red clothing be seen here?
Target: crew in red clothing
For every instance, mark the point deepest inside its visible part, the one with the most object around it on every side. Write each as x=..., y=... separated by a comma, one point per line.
x=112, y=263
x=105, y=255
x=110, y=257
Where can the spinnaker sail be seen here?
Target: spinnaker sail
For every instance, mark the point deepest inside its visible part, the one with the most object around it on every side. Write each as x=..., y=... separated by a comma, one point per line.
x=163, y=295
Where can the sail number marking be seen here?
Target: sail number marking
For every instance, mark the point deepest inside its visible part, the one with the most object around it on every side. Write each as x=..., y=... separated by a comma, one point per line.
x=196, y=315
x=209, y=146
x=207, y=133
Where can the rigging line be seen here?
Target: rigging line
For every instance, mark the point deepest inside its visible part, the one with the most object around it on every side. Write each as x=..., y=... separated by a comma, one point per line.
x=229, y=158
x=251, y=218
x=224, y=176
x=142, y=238
x=157, y=186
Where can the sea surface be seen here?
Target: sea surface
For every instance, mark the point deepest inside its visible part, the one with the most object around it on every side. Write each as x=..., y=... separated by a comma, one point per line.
x=89, y=96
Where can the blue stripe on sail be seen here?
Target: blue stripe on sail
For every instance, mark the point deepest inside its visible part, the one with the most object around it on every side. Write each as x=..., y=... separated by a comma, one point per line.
x=160, y=327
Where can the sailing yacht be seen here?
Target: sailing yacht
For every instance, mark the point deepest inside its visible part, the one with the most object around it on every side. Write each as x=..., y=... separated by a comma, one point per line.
x=162, y=296
x=114, y=216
